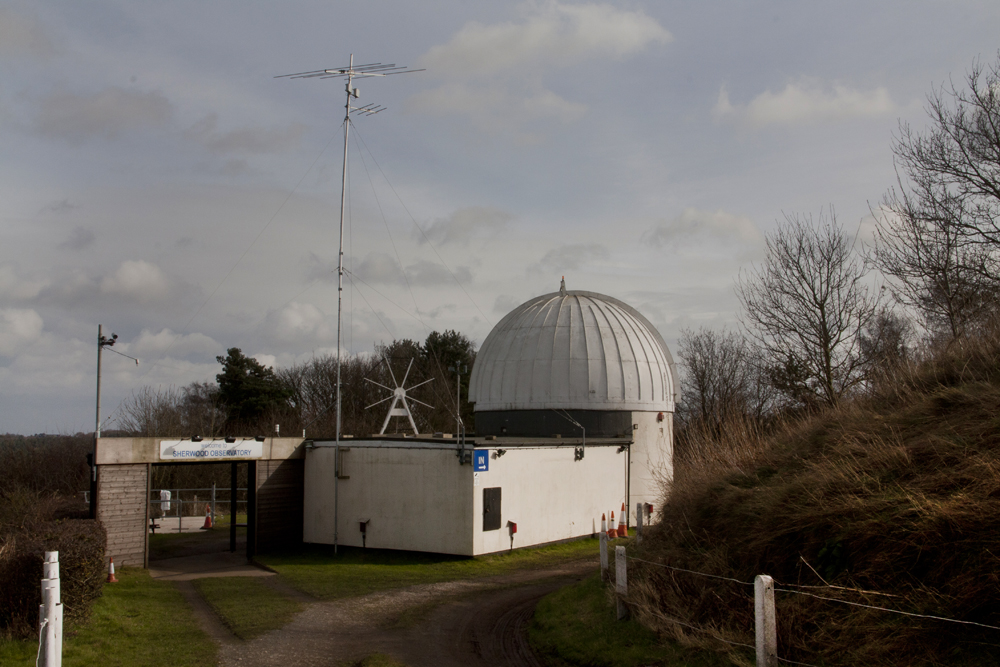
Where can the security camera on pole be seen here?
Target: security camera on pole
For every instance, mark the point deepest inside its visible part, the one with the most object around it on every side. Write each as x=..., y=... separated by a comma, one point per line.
x=102, y=342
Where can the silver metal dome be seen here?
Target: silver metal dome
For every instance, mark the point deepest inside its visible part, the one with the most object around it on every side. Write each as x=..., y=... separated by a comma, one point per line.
x=573, y=351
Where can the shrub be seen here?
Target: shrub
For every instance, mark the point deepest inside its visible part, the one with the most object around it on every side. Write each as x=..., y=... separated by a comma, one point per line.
x=30, y=525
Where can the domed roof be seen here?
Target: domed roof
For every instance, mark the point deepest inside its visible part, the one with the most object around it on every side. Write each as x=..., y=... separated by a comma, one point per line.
x=573, y=351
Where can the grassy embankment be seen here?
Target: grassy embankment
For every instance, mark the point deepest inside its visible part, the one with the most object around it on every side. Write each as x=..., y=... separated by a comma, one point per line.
x=577, y=625
x=137, y=622
x=892, y=500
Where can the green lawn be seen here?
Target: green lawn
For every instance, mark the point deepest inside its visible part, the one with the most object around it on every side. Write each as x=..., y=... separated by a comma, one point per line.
x=136, y=623
x=316, y=571
x=577, y=625
x=246, y=605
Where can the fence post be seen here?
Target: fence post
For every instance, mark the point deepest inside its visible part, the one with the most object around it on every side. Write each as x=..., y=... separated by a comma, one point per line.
x=621, y=582
x=765, y=623
x=213, y=504
x=51, y=612
x=638, y=523
x=603, y=539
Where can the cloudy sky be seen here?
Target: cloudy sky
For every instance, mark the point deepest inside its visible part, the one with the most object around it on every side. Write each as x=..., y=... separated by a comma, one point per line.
x=155, y=178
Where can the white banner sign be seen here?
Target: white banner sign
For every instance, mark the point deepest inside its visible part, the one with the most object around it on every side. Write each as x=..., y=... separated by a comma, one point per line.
x=210, y=450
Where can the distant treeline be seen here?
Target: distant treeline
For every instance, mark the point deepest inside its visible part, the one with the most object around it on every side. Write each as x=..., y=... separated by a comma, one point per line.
x=250, y=399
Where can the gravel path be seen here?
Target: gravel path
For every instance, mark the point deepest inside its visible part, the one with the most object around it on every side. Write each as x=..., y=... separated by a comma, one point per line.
x=457, y=623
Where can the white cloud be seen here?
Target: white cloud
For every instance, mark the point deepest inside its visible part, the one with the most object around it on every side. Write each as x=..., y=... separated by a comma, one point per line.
x=266, y=360
x=79, y=238
x=504, y=303
x=807, y=101
x=552, y=34
x=571, y=256
x=694, y=227
x=465, y=224
x=152, y=345
x=498, y=107
x=14, y=286
x=247, y=140
x=300, y=323
x=138, y=280
x=22, y=35
x=377, y=267
x=107, y=113
x=64, y=205
x=426, y=273
x=18, y=328
x=495, y=71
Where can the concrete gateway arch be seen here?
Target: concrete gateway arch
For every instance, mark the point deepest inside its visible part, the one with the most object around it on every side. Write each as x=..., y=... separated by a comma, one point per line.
x=124, y=474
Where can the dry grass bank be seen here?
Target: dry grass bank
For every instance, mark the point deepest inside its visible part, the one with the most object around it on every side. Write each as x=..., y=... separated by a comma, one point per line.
x=895, y=496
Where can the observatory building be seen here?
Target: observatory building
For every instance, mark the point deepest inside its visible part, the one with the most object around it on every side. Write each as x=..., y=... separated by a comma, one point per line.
x=574, y=395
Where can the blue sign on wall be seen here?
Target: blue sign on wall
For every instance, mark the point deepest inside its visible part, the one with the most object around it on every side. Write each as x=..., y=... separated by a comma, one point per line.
x=481, y=460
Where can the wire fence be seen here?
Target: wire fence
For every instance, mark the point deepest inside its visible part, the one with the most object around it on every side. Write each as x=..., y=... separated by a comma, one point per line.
x=765, y=655
x=214, y=502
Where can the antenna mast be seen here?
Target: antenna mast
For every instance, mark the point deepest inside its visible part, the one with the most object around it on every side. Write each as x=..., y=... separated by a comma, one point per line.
x=349, y=73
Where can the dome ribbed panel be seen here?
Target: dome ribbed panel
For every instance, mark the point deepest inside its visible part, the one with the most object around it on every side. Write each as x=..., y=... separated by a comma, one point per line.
x=574, y=351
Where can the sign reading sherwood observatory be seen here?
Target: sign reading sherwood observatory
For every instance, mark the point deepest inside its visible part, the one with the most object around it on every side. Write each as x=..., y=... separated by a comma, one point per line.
x=210, y=450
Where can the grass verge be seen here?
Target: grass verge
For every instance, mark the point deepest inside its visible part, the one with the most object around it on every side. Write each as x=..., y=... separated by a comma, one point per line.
x=246, y=605
x=136, y=623
x=316, y=571
x=577, y=625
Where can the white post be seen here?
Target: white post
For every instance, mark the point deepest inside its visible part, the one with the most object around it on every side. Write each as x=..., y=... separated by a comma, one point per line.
x=603, y=539
x=51, y=612
x=765, y=622
x=621, y=582
x=638, y=523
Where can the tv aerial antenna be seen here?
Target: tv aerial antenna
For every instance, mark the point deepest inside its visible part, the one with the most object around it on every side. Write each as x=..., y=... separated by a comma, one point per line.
x=350, y=73
x=399, y=397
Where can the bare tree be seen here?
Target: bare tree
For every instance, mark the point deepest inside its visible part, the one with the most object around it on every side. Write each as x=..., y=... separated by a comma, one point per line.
x=954, y=166
x=720, y=378
x=151, y=411
x=938, y=236
x=924, y=252
x=807, y=306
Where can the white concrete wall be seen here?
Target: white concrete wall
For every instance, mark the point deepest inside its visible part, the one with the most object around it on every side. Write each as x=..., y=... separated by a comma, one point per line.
x=415, y=499
x=652, y=459
x=423, y=500
x=549, y=495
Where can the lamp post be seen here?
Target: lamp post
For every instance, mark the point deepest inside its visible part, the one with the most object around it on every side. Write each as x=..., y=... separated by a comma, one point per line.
x=102, y=342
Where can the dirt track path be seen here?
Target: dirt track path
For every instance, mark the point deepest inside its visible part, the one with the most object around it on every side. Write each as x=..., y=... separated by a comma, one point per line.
x=458, y=623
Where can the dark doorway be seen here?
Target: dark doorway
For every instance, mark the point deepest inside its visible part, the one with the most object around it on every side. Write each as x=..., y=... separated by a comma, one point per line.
x=491, y=508
x=186, y=498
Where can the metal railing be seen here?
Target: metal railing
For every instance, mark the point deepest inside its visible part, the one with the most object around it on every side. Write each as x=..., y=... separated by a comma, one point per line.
x=191, y=503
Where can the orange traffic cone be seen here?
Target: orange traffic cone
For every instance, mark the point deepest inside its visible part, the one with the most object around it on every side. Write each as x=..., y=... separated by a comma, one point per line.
x=612, y=531
x=622, y=530
x=208, y=518
x=112, y=579
x=604, y=523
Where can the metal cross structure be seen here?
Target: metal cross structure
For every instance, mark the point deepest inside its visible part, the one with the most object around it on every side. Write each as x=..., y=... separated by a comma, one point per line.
x=399, y=397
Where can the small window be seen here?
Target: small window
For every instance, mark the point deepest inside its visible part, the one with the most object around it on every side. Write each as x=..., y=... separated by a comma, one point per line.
x=491, y=509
